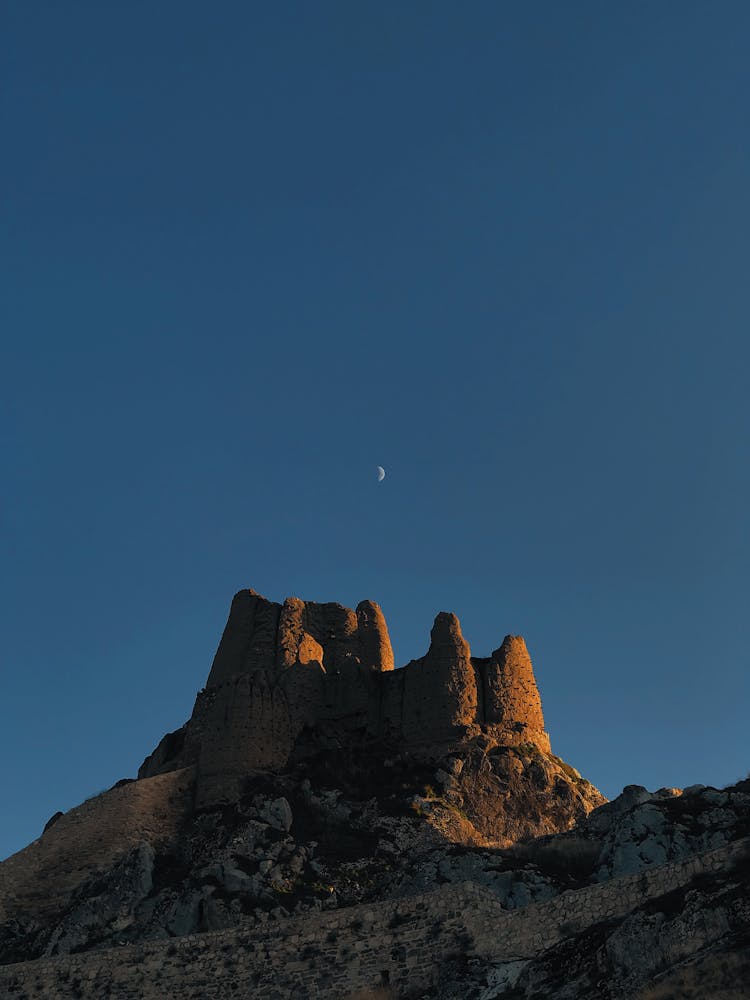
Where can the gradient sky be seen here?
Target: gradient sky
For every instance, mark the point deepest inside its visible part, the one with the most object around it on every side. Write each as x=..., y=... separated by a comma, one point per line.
x=250, y=251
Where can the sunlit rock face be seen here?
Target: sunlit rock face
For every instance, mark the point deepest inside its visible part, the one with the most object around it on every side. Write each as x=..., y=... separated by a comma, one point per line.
x=512, y=706
x=263, y=635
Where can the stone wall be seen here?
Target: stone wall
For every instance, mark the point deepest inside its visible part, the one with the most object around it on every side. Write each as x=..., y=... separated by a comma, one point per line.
x=246, y=726
x=398, y=943
x=524, y=933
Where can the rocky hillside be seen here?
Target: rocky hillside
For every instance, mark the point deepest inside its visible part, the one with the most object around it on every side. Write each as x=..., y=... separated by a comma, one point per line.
x=690, y=943
x=337, y=831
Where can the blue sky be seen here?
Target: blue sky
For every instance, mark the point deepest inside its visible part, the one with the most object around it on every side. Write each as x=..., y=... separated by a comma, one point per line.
x=249, y=252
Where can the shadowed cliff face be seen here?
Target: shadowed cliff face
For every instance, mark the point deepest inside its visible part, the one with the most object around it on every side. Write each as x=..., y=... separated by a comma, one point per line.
x=300, y=677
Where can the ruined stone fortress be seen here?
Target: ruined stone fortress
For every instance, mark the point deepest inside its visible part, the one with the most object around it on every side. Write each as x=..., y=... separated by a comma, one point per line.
x=289, y=678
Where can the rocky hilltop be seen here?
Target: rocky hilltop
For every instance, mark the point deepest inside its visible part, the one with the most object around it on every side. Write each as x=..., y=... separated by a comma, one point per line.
x=294, y=678
x=325, y=824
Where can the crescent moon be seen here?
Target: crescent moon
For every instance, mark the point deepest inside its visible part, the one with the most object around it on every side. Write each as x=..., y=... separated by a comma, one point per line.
x=381, y=473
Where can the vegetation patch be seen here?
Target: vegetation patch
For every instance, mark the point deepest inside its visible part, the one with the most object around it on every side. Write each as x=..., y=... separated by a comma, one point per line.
x=568, y=771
